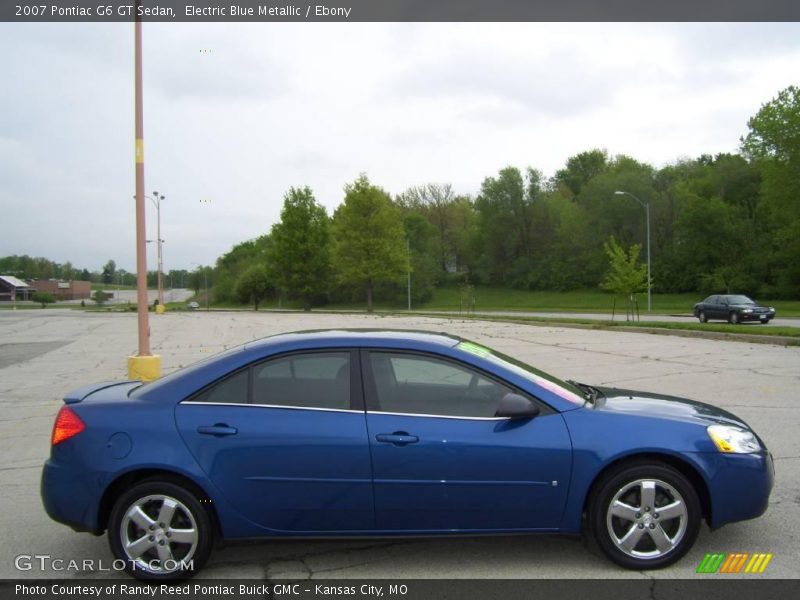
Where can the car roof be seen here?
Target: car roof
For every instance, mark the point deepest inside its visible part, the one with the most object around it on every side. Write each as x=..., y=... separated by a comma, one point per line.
x=355, y=336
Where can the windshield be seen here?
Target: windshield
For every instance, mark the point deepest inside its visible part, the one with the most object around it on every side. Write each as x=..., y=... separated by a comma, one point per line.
x=739, y=300
x=562, y=389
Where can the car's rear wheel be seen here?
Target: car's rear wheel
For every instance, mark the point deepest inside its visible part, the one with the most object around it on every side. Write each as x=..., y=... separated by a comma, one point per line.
x=733, y=318
x=645, y=515
x=702, y=317
x=160, y=531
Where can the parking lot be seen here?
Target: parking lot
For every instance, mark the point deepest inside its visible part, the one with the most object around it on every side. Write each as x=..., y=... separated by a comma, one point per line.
x=45, y=353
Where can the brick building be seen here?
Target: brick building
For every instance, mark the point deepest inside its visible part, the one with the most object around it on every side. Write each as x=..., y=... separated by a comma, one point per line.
x=63, y=290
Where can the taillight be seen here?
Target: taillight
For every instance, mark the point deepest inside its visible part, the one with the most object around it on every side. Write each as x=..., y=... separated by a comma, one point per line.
x=68, y=424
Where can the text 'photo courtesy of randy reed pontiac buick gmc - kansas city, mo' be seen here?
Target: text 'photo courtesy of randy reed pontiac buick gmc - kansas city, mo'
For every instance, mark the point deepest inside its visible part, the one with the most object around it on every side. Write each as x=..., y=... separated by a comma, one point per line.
x=390, y=433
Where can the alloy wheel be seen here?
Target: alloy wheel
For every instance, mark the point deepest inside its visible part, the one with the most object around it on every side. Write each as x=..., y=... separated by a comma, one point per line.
x=647, y=519
x=158, y=533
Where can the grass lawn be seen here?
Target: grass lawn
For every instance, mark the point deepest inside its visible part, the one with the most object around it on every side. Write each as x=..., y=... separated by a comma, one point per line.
x=595, y=301
x=747, y=329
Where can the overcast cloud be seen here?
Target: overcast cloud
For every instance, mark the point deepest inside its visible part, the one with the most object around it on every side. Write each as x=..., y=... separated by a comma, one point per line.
x=236, y=114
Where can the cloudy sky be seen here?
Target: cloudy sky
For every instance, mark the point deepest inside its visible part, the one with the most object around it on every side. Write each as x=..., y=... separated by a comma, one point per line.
x=236, y=114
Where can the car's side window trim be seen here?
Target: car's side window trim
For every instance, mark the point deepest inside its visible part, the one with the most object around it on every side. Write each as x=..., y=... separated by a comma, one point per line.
x=371, y=389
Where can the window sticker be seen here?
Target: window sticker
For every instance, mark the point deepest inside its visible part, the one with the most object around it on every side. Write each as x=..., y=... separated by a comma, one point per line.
x=474, y=348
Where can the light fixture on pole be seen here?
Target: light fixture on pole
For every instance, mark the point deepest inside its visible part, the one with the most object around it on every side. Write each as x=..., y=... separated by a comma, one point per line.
x=646, y=206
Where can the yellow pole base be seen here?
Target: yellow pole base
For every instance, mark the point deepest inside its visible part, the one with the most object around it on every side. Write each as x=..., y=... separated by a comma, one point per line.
x=144, y=368
x=160, y=308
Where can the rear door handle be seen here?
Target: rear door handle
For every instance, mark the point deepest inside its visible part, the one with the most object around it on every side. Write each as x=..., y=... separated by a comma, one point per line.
x=398, y=438
x=218, y=430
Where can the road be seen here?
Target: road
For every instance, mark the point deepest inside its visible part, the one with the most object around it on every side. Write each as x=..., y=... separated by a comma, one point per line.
x=687, y=318
x=43, y=354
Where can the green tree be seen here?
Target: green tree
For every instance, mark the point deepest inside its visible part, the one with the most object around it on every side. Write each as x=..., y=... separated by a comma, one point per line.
x=300, y=255
x=109, y=269
x=625, y=275
x=236, y=261
x=100, y=297
x=43, y=298
x=505, y=233
x=437, y=204
x=774, y=143
x=423, y=258
x=370, y=245
x=67, y=271
x=775, y=129
x=254, y=285
x=581, y=169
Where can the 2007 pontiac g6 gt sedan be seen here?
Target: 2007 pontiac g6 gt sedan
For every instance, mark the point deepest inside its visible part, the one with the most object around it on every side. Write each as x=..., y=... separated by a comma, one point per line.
x=391, y=433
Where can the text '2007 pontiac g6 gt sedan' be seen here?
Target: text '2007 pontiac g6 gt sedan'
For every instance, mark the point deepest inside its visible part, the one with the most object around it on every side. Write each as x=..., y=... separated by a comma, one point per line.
x=387, y=433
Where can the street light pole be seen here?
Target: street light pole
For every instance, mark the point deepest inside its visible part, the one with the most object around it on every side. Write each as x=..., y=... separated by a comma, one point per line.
x=144, y=365
x=646, y=206
x=408, y=258
x=156, y=199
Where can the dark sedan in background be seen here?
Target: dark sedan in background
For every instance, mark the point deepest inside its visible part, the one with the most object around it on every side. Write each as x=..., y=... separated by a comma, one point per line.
x=733, y=308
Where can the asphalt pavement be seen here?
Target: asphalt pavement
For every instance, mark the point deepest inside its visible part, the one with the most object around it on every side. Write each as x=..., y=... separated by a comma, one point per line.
x=44, y=354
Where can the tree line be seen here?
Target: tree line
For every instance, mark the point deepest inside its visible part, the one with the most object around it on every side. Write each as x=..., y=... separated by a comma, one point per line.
x=723, y=223
x=31, y=268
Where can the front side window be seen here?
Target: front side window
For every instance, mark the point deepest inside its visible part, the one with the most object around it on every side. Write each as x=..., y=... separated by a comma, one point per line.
x=424, y=385
x=314, y=380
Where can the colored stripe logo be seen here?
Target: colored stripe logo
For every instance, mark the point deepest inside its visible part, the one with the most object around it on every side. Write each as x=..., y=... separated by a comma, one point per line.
x=734, y=562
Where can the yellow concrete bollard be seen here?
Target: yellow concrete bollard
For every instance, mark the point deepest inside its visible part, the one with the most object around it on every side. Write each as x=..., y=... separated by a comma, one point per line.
x=144, y=368
x=160, y=309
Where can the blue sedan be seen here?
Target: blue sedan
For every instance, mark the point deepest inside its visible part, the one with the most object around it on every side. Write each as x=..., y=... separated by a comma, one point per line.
x=386, y=433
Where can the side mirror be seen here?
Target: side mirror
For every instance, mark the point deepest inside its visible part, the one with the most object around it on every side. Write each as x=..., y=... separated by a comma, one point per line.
x=515, y=406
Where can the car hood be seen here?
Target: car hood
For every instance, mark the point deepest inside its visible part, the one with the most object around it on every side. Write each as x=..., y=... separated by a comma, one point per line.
x=670, y=407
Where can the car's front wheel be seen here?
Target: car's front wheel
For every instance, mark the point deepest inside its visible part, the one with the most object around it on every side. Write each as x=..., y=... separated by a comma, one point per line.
x=160, y=531
x=645, y=515
x=733, y=318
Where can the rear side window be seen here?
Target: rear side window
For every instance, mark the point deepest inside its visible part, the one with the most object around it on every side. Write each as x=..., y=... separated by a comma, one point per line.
x=313, y=380
x=231, y=390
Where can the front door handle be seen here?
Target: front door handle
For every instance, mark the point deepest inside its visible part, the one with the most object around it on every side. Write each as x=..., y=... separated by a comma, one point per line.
x=218, y=430
x=398, y=438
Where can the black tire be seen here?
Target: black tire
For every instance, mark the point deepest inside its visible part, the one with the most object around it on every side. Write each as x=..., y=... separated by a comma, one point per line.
x=733, y=318
x=702, y=317
x=631, y=540
x=136, y=517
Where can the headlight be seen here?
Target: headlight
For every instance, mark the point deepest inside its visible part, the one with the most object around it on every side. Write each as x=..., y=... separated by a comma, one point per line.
x=733, y=439
x=748, y=310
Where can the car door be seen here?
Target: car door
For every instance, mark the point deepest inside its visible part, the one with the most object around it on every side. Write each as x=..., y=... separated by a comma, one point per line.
x=285, y=441
x=442, y=461
x=712, y=307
